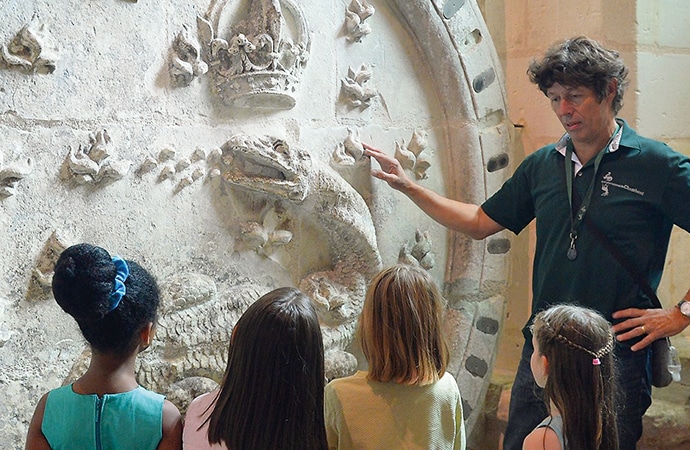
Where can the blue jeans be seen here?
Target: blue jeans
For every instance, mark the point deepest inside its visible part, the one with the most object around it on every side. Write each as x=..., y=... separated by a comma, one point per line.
x=527, y=407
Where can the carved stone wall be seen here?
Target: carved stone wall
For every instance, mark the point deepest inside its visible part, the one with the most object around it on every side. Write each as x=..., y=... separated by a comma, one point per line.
x=218, y=143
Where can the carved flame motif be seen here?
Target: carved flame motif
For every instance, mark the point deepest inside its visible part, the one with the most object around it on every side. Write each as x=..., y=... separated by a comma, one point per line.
x=32, y=49
x=350, y=151
x=256, y=65
x=43, y=271
x=355, y=89
x=94, y=164
x=418, y=252
x=357, y=12
x=414, y=157
x=12, y=173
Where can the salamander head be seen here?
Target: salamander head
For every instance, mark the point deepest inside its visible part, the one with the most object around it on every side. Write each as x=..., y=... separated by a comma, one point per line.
x=267, y=165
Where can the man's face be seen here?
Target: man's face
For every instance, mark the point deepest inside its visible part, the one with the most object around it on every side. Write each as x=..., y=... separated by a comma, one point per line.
x=587, y=120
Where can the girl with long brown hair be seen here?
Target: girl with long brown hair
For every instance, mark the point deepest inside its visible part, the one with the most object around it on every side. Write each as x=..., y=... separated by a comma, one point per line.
x=573, y=361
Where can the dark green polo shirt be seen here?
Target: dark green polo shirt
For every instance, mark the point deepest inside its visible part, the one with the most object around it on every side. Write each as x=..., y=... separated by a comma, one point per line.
x=642, y=188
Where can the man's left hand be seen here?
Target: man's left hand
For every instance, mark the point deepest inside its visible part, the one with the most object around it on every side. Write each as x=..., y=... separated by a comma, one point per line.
x=651, y=323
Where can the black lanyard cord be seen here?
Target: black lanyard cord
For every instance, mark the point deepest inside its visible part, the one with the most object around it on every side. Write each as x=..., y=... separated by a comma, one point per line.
x=582, y=210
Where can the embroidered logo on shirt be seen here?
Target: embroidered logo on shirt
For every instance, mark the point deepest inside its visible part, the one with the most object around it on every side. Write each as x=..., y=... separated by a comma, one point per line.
x=607, y=180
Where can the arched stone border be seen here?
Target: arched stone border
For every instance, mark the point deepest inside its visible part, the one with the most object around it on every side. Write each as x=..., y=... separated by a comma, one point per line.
x=471, y=92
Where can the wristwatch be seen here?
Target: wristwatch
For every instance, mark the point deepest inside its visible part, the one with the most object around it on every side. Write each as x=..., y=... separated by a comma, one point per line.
x=684, y=307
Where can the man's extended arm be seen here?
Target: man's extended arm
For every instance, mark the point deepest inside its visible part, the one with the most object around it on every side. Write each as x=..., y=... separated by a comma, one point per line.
x=466, y=218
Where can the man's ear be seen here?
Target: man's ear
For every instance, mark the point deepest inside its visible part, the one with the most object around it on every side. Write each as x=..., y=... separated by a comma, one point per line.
x=612, y=88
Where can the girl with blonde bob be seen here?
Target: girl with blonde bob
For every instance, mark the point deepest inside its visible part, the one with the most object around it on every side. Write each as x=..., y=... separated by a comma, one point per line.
x=573, y=361
x=406, y=400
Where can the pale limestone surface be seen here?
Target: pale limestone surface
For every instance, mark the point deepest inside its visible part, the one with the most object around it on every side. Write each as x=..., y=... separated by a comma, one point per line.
x=119, y=128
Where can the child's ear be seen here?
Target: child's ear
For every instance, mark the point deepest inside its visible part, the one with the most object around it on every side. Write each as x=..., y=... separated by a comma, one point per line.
x=545, y=365
x=146, y=335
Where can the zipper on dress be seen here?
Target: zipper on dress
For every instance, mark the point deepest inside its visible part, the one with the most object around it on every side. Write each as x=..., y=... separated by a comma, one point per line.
x=99, y=409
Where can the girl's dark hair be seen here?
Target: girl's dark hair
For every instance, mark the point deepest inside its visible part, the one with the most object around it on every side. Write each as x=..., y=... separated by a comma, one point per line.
x=271, y=396
x=581, y=61
x=581, y=382
x=83, y=281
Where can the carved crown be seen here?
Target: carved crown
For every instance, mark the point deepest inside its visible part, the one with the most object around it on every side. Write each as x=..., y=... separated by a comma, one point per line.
x=255, y=62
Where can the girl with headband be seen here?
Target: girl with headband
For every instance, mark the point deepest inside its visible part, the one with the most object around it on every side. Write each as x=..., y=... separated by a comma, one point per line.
x=114, y=303
x=573, y=362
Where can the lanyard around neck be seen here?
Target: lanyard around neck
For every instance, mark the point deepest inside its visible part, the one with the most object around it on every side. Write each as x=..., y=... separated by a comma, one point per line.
x=582, y=210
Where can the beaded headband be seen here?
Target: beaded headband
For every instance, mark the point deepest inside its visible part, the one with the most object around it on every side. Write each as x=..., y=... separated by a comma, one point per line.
x=596, y=355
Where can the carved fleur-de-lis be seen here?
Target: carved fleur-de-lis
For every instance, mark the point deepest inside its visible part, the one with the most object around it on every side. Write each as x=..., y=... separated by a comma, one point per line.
x=267, y=236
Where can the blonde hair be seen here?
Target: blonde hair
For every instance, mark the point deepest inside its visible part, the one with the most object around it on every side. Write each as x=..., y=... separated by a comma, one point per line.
x=400, y=329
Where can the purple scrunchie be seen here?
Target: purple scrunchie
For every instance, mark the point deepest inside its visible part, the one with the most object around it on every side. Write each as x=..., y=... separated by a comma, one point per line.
x=120, y=277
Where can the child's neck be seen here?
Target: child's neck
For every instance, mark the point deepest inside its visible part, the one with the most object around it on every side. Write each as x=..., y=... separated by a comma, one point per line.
x=554, y=411
x=108, y=374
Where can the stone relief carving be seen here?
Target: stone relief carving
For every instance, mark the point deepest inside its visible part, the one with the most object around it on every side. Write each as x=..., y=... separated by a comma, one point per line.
x=189, y=301
x=95, y=164
x=256, y=64
x=349, y=152
x=265, y=164
x=418, y=252
x=266, y=237
x=32, y=49
x=355, y=15
x=349, y=160
x=42, y=275
x=11, y=174
x=413, y=156
x=355, y=89
x=269, y=167
x=182, y=170
x=297, y=185
x=185, y=60
x=334, y=295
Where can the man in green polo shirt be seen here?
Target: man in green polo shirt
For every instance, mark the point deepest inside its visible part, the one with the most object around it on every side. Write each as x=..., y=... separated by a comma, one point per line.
x=601, y=171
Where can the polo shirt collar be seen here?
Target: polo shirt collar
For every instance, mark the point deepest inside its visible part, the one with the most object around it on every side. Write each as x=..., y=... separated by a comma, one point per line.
x=625, y=137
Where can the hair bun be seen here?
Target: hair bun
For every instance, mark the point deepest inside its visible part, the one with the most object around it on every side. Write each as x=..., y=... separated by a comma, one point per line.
x=83, y=280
